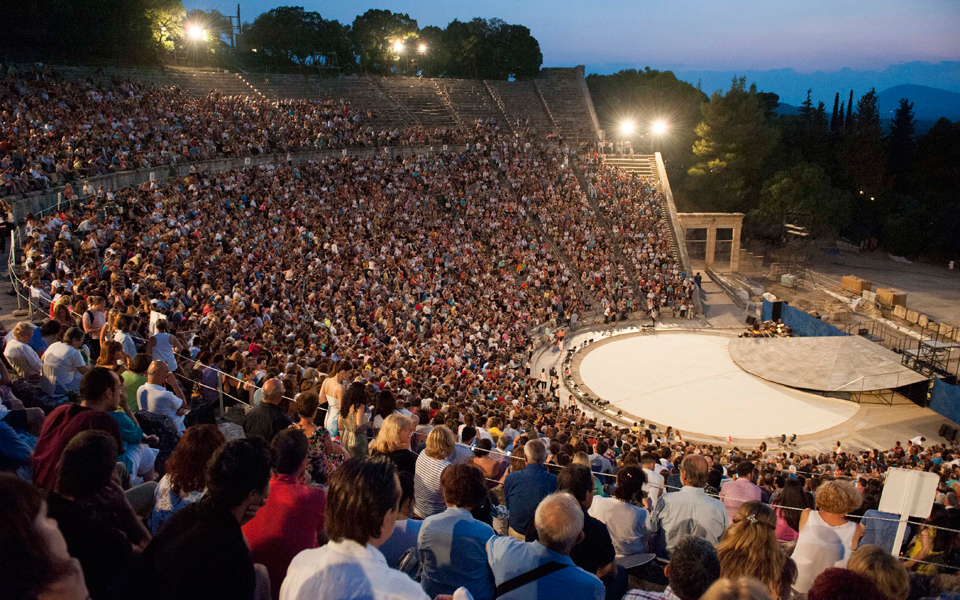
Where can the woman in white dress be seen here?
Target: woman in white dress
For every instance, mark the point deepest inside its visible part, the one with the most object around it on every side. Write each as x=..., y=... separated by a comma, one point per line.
x=827, y=538
x=164, y=345
x=332, y=391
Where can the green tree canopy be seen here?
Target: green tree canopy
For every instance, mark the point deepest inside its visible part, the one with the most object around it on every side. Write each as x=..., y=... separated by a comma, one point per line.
x=804, y=190
x=375, y=32
x=292, y=34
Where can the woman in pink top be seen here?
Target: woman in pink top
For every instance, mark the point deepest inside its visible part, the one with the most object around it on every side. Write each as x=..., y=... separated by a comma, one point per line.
x=789, y=506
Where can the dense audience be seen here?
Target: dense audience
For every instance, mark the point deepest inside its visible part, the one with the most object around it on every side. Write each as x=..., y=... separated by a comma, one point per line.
x=364, y=324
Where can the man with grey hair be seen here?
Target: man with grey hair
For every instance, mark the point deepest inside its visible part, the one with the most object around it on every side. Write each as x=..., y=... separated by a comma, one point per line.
x=525, y=489
x=543, y=570
x=689, y=511
x=21, y=356
x=267, y=420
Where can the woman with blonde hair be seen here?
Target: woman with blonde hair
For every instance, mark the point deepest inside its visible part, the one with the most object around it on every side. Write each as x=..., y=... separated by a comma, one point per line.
x=582, y=458
x=883, y=569
x=428, y=491
x=827, y=538
x=749, y=547
x=744, y=588
x=393, y=442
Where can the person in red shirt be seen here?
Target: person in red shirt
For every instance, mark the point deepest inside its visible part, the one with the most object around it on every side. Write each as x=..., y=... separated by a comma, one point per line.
x=292, y=520
x=100, y=394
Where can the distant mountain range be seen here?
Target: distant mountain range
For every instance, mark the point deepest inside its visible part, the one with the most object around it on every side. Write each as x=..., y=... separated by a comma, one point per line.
x=929, y=105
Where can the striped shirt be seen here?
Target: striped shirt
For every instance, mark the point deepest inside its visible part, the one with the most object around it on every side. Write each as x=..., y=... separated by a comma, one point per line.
x=427, y=491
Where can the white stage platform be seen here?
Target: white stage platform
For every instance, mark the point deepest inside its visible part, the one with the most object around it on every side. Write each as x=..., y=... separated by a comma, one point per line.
x=690, y=382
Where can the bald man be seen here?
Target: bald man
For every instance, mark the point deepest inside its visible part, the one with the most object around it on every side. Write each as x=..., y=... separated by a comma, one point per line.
x=154, y=397
x=267, y=420
x=690, y=511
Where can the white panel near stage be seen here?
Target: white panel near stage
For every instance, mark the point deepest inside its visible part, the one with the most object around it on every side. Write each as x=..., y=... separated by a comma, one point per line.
x=689, y=381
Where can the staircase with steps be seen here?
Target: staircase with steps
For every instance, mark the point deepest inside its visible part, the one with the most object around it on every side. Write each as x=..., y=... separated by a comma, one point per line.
x=471, y=100
x=520, y=100
x=421, y=99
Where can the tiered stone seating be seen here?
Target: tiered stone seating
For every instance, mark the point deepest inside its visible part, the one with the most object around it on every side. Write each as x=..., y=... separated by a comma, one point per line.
x=563, y=91
x=520, y=101
x=421, y=98
x=470, y=99
x=278, y=87
x=197, y=81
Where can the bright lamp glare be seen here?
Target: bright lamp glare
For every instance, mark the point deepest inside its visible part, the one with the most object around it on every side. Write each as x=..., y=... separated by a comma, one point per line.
x=627, y=127
x=422, y=48
x=398, y=46
x=194, y=31
x=659, y=127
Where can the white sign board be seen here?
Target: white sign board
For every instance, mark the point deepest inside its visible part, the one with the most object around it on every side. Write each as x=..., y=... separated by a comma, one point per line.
x=909, y=492
x=153, y=176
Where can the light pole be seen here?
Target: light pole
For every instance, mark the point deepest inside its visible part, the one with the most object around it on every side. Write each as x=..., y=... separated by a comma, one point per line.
x=658, y=128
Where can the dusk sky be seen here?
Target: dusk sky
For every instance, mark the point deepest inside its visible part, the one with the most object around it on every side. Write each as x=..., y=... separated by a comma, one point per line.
x=694, y=36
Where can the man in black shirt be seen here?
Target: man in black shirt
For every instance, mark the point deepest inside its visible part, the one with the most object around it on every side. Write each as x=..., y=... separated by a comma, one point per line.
x=267, y=420
x=200, y=553
x=595, y=554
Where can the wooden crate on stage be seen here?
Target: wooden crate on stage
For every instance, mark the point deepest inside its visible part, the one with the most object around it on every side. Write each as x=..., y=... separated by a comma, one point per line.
x=854, y=284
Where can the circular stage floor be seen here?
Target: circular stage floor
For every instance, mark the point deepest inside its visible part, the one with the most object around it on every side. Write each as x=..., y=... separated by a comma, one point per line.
x=688, y=381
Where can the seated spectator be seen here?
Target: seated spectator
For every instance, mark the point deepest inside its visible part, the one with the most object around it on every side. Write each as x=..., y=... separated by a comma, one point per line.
x=827, y=538
x=293, y=517
x=517, y=565
x=134, y=377
x=407, y=529
x=267, y=420
x=742, y=489
x=842, y=584
x=138, y=453
x=22, y=357
x=34, y=560
x=201, y=552
x=653, y=488
x=693, y=568
x=154, y=397
x=525, y=489
x=625, y=521
x=744, y=588
x=749, y=547
x=789, y=506
x=19, y=427
x=883, y=569
x=185, y=481
x=63, y=364
x=428, y=491
x=393, y=442
x=451, y=544
x=487, y=462
x=100, y=393
x=689, y=511
x=362, y=503
x=99, y=525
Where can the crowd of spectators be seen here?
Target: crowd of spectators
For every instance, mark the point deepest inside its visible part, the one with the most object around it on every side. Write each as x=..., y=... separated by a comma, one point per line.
x=364, y=322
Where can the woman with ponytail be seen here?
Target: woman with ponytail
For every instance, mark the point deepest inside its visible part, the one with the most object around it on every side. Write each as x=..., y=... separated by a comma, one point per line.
x=749, y=547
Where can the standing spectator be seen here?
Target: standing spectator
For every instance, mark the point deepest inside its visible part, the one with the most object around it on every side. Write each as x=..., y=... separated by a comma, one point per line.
x=625, y=521
x=689, y=511
x=353, y=420
x=267, y=420
x=693, y=568
x=789, y=506
x=93, y=321
x=740, y=490
x=362, y=503
x=293, y=517
x=164, y=345
x=34, y=560
x=185, y=481
x=525, y=489
x=154, y=397
x=827, y=538
x=451, y=544
x=749, y=547
x=63, y=364
x=543, y=570
x=325, y=454
x=100, y=394
x=201, y=552
x=428, y=491
x=123, y=335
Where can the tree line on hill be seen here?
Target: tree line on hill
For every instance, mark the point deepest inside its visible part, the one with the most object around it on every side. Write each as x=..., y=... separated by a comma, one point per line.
x=839, y=171
x=151, y=31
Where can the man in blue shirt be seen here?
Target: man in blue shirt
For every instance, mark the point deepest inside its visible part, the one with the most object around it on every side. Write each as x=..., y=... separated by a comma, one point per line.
x=543, y=570
x=525, y=489
x=452, y=544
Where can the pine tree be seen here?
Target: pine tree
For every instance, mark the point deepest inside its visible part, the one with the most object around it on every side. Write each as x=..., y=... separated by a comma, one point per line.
x=820, y=117
x=806, y=109
x=901, y=146
x=848, y=122
x=862, y=151
x=840, y=123
x=836, y=119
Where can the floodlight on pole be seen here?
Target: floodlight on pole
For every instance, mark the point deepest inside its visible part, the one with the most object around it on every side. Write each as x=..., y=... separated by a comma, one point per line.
x=422, y=48
x=659, y=127
x=194, y=31
x=398, y=46
x=627, y=127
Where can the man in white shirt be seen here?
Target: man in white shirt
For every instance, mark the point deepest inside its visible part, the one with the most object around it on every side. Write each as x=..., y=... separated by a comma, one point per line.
x=63, y=364
x=153, y=397
x=654, y=485
x=24, y=359
x=363, y=499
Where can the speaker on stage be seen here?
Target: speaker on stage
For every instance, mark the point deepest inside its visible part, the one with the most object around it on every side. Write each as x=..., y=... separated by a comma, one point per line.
x=751, y=320
x=775, y=308
x=947, y=432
